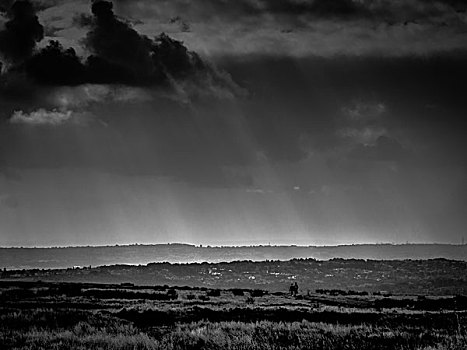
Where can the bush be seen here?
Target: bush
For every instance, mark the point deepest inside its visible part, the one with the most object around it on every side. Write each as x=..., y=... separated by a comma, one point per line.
x=172, y=294
x=257, y=293
x=237, y=292
x=214, y=293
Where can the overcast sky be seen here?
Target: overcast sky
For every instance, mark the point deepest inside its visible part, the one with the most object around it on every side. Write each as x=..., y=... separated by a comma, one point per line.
x=247, y=122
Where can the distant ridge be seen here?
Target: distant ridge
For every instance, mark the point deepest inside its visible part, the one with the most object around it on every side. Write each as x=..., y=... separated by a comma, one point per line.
x=63, y=257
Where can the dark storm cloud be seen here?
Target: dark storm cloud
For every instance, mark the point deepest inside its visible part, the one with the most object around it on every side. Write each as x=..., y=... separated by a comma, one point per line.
x=5, y=5
x=356, y=109
x=122, y=55
x=309, y=27
x=397, y=11
x=54, y=65
x=297, y=111
x=339, y=8
x=21, y=33
x=293, y=111
x=119, y=54
x=325, y=8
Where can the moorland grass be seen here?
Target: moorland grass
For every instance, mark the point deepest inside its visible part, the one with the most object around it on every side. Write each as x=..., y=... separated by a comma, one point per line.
x=71, y=318
x=21, y=330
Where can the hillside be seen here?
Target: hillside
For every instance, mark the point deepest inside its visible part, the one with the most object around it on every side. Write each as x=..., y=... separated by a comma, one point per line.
x=427, y=277
x=27, y=258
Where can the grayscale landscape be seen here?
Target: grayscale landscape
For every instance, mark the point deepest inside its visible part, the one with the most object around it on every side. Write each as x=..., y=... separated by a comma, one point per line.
x=233, y=174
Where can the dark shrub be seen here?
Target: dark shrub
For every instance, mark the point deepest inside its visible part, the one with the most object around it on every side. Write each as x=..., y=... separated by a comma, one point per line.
x=214, y=293
x=237, y=292
x=172, y=293
x=257, y=293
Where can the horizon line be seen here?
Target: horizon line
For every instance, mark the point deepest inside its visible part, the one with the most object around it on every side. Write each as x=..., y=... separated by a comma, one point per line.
x=231, y=246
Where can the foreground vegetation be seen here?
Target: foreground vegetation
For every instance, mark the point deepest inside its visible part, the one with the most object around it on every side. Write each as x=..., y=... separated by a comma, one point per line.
x=38, y=315
x=112, y=333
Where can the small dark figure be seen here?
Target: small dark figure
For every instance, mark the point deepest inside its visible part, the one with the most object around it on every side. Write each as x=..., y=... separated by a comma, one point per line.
x=291, y=289
x=295, y=288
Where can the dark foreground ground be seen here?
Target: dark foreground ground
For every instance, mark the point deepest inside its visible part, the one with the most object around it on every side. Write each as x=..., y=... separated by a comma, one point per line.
x=53, y=315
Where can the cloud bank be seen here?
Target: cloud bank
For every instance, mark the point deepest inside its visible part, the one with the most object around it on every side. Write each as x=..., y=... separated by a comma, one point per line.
x=304, y=27
x=41, y=117
x=115, y=55
x=21, y=33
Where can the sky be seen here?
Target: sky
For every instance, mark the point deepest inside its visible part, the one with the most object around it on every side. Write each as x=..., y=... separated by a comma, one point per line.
x=232, y=122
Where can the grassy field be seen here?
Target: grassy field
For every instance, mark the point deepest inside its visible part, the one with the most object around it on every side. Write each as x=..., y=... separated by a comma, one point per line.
x=39, y=315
